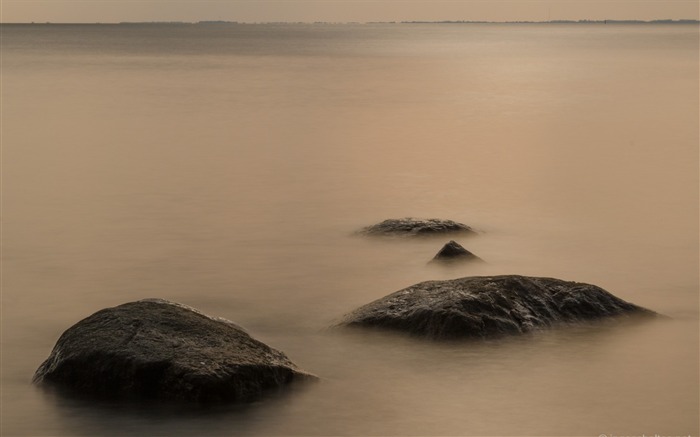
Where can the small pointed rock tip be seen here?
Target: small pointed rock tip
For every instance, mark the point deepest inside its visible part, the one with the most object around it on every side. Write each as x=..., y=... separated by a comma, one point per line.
x=453, y=251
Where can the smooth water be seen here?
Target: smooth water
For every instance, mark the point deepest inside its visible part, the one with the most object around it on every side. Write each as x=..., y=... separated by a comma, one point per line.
x=226, y=167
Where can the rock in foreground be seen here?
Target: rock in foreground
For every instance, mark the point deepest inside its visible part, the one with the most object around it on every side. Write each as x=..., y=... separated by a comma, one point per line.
x=155, y=349
x=488, y=306
x=412, y=227
x=454, y=252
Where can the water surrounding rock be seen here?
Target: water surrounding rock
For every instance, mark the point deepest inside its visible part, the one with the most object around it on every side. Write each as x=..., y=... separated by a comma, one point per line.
x=155, y=349
x=488, y=306
x=412, y=227
x=454, y=252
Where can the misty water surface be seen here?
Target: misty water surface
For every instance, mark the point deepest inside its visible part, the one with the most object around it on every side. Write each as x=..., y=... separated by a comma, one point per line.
x=226, y=167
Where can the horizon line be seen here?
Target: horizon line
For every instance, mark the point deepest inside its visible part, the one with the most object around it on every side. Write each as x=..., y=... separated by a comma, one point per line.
x=580, y=21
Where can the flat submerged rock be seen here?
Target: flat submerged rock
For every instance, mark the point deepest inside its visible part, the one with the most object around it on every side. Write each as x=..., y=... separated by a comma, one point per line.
x=161, y=350
x=413, y=227
x=489, y=306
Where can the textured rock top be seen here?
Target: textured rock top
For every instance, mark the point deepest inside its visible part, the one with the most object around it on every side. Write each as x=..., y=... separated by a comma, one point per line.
x=488, y=306
x=412, y=227
x=156, y=349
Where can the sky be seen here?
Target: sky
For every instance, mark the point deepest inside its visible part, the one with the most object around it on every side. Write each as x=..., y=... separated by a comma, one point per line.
x=105, y=11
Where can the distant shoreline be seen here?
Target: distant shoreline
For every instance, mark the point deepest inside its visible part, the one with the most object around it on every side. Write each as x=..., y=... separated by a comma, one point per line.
x=666, y=21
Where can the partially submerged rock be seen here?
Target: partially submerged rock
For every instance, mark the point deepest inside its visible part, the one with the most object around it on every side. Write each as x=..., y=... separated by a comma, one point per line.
x=412, y=227
x=489, y=306
x=155, y=349
x=454, y=252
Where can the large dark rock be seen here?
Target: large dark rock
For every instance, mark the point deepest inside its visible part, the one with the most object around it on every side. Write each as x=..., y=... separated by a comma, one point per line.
x=454, y=252
x=416, y=227
x=488, y=306
x=155, y=349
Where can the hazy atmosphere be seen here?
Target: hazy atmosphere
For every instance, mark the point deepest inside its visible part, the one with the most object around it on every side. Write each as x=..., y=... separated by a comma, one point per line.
x=107, y=11
x=552, y=289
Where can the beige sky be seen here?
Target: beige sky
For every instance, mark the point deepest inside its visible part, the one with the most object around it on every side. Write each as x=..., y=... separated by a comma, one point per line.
x=341, y=10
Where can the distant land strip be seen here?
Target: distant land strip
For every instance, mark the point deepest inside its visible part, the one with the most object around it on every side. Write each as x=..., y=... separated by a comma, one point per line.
x=217, y=22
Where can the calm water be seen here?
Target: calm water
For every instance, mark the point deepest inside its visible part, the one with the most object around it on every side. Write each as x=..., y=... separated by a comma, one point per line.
x=225, y=167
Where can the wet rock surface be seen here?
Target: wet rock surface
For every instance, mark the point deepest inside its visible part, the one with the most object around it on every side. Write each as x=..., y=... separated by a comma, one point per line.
x=411, y=227
x=489, y=306
x=453, y=252
x=160, y=350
